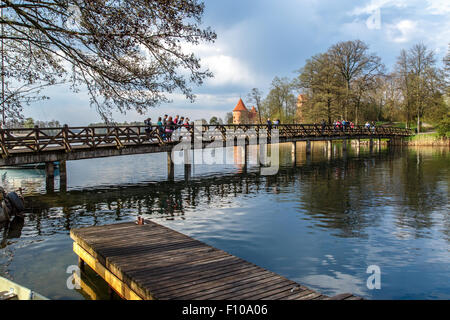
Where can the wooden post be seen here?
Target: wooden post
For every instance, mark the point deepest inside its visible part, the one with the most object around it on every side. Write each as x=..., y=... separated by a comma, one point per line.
x=308, y=151
x=36, y=138
x=62, y=176
x=344, y=145
x=358, y=146
x=170, y=166
x=81, y=264
x=329, y=149
x=294, y=153
x=371, y=145
x=246, y=152
x=308, y=147
x=187, y=164
x=49, y=177
x=379, y=144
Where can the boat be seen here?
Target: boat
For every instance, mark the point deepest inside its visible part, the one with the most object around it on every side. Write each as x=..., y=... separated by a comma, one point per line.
x=10, y=290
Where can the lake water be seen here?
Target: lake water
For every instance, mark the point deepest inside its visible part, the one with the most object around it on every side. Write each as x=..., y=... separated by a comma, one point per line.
x=321, y=222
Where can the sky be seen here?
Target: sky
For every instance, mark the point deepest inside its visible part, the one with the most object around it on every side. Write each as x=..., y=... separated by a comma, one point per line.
x=258, y=40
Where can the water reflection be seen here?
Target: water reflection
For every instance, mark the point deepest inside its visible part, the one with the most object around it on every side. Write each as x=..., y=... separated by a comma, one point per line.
x=358, y=207
x=342, y=195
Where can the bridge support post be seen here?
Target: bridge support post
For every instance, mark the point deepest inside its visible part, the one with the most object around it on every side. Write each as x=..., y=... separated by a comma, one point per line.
x=308, y=147
x=358, y=146
x=49, y=177
x=308, y=151
x=294, y=153
x=344, y=149
x=379, y=144
x=246, y=157
x=329, y=149
x=371, y=145
x=62, y=176
x=187, y=164
x=170, y=166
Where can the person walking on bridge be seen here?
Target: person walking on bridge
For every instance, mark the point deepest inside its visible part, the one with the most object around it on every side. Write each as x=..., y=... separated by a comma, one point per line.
x=269, y=125
x=323, y=124
x=148, y=126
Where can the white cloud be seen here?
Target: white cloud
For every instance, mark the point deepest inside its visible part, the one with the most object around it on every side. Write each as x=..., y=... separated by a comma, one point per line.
x=227, y=69
x=402, y=31
x=374, y=5
x=338, y=283
x=438, y=7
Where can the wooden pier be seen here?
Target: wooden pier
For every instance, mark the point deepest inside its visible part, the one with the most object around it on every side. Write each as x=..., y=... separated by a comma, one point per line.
x=150, y=261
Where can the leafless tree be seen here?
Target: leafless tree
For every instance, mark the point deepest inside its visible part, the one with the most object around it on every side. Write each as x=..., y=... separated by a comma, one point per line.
x=130, y=54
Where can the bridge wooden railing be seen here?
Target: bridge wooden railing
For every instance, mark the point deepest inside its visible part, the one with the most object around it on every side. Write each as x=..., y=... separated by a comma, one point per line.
x=70, y=138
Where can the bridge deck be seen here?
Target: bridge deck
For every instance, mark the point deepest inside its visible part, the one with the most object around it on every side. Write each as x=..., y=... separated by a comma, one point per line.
x=37, y=145
x=151, y=261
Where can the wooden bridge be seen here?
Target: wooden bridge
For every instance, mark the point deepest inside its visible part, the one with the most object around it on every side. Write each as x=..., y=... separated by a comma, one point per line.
x=50, y=145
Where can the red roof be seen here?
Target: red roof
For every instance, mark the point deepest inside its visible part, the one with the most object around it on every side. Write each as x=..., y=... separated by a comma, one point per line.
x=253, y=109
x=240, y=106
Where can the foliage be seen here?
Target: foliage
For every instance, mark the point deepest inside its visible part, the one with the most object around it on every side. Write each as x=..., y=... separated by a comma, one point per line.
x=214, y=121
x=255, y=96
x=348, y=82
x=229, y=118
x=280, y=103
x=129, y=54
x=443, y=128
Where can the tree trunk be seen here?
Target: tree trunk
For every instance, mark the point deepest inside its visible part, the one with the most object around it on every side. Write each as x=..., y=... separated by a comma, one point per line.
x=418, y=122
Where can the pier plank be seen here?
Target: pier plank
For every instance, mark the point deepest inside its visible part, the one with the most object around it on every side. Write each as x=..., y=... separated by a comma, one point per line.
x=152, y=261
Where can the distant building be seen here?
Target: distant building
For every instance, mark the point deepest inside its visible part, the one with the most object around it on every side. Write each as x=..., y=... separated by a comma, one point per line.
x=301, y=99
x=241, y=115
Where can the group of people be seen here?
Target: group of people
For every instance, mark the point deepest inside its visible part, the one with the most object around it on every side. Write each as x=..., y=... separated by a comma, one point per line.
x=167, y=125
x=275, y=123
x=343, y=125
x=370, y=126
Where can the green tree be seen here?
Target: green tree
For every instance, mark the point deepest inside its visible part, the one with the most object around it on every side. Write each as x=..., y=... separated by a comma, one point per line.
x=214, y=121
x=29, y=123
x=423, y=81
x=355, y=65
x=255, y=96
x=280, y=103
x=320, y=79
x=229, y=118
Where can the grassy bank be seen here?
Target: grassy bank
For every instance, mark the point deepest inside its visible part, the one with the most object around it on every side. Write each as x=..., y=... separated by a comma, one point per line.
x=427, y=139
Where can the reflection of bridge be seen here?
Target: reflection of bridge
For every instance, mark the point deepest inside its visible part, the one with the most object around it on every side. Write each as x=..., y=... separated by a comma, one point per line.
x=50, y=145
x=172, y=200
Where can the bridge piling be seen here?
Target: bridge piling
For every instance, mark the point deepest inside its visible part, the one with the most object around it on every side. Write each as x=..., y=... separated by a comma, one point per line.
x=62, y=176
x=246, y=157
x=371, y=145
x=308, y=147
x=170, y=166
x=358, y=146
x=49, y=177
x=294, y=153
x=187, y=164
x=329, y=149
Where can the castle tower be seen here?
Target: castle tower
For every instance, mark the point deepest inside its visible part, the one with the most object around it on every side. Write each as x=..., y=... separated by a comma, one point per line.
x=253, y=116
x=301, y=99
x=240, y=113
